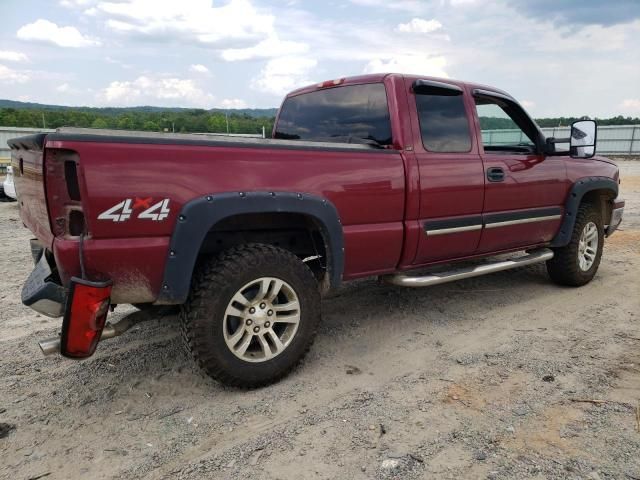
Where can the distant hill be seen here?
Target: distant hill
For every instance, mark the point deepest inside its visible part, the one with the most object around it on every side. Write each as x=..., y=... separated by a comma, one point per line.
x=252, y=112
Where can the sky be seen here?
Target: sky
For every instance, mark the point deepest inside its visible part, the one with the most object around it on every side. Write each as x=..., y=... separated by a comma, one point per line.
x=558, y=57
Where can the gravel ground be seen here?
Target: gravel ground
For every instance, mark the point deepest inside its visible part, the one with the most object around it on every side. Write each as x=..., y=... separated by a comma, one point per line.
x=503, y=376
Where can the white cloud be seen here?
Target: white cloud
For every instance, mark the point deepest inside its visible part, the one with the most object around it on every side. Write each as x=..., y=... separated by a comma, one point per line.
x=69, y=90
x=419, y=25
x=146, y=90
x=8, y=75
x=115, y=61
x=75, y=3
x=271, y=47
x=199, y=68
x=404, y=5
x=233, y=103
x=410, y=64
x=45, y=31
x=10, y=56
x=281, y=75
x=631, y=105
x=236, y=24
x=528, y=104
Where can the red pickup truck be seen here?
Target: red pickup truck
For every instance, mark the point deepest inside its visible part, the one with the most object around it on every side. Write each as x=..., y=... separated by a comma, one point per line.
x=378, y=175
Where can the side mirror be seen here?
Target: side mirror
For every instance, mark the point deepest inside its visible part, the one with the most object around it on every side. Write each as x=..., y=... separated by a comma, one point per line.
x=583, y=139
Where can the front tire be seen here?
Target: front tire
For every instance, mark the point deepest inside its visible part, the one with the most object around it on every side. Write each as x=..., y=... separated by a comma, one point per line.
x=251, y=315
x=577, y=263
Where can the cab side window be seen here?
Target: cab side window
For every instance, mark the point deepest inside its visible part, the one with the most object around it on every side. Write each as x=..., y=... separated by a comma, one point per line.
x=443, y=122
x=503, y=127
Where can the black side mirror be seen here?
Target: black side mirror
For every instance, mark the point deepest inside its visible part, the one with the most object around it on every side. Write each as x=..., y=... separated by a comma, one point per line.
x=583, y=138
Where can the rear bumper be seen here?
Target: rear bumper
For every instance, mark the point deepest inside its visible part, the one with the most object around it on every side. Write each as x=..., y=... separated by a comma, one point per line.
x=43, y=291
x=616, y=216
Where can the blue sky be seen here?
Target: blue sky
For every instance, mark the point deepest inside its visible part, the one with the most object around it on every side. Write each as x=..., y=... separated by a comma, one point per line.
x=557, y=57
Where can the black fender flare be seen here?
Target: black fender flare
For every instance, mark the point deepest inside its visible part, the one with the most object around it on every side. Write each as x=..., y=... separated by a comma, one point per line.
x=577, y=192
x=199, y=215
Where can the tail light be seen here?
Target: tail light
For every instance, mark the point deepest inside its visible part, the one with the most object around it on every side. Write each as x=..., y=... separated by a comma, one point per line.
x=85, y=316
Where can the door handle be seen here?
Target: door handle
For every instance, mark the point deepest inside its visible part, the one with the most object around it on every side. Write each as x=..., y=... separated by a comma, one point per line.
x=495, y=174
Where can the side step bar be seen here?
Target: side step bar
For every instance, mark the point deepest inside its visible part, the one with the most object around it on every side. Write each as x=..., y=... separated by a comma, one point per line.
x=402, y=280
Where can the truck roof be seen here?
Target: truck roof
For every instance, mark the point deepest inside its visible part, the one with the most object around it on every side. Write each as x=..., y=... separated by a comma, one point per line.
x=380, y=77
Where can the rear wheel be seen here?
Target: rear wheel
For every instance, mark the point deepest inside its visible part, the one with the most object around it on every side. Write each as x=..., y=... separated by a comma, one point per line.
x=577, y=263
x=251, y=315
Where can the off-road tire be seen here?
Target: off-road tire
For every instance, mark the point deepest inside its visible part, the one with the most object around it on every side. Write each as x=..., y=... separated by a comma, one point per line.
x=215, y=282
x=564, y=267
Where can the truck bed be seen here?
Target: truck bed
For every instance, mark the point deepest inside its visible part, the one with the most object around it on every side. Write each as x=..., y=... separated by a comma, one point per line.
x=145, y=168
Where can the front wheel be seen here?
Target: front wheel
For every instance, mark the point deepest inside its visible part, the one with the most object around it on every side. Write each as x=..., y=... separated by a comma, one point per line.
x=251, y=315
x=577, y=263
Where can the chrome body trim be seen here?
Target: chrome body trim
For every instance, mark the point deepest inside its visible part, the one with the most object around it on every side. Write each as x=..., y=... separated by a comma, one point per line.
x=443, y=231
x=519, y=221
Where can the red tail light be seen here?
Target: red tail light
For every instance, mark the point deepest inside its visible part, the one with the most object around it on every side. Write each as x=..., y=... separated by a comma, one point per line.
x=85, y=316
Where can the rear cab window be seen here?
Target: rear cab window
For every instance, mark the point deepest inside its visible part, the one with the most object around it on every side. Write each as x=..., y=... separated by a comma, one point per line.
x=346, y=114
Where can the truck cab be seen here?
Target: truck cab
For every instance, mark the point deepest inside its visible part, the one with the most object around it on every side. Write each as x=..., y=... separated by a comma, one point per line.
x=467, y=193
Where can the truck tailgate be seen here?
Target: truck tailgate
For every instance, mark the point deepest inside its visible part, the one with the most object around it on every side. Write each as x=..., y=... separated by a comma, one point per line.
x=27, y=160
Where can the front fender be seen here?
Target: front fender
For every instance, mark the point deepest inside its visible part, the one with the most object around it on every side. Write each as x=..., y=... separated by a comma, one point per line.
x=579, y=189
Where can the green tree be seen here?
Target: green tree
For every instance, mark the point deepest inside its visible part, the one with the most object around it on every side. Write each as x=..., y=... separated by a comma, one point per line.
x=150, y=125
x=99, y=123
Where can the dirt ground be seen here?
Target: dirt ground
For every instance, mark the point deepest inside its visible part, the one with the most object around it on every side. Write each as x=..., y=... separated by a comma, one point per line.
x=503, y=376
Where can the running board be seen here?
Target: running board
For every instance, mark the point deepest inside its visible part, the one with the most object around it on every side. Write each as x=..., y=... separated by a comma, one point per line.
x=402, y=280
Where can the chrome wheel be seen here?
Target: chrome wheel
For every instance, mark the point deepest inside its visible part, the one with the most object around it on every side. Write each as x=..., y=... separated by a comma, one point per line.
x=261, y=319
x=588, y=246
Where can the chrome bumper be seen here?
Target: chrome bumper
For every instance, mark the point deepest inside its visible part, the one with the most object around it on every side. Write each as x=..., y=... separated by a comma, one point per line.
x=41, y=292
x=616, y=219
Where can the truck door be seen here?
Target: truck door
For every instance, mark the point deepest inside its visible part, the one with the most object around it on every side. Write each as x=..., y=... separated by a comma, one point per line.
x=524, y=190
x=450, y=171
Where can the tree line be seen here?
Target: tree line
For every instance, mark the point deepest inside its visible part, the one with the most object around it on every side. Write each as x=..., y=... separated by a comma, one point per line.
x=199, y=120
x=187, y=121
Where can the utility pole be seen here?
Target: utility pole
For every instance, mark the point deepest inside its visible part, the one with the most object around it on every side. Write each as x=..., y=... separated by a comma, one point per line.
x=226, y=117
x=44, y=125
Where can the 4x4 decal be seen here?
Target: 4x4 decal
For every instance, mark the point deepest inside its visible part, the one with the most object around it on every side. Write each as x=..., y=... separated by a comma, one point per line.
x=124, y=210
